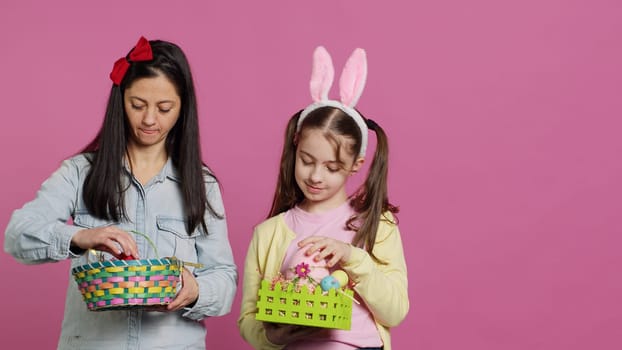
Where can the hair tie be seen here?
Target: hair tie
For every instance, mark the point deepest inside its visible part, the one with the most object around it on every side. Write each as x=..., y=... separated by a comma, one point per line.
x=140, y=52
x=371, y=124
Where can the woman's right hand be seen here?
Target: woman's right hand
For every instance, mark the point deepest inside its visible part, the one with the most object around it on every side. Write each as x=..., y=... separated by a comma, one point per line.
x=108, y=239
x=283, y=334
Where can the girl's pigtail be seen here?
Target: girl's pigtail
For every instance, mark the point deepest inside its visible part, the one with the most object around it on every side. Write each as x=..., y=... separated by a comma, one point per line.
x=371, y=200
x=287, y=193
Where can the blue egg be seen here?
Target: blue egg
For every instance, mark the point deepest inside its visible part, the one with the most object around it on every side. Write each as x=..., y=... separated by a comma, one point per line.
x=329, y=282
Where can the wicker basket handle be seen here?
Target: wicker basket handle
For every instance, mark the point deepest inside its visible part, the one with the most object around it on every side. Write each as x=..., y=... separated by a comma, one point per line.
x=101, y=256
x=197, y=265
x=148, y=240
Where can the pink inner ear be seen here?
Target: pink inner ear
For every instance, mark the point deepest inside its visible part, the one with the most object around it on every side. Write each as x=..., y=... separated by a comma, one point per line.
x=353, y=78
x=322, y=75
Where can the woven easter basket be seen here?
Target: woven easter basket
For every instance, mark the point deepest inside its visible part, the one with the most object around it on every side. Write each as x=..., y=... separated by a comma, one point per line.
x=298, y=306
x=127, y=284
x=124, y=284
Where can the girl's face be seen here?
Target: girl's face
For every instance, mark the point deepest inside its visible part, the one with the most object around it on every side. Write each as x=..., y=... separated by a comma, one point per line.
x=319, y=174
x=152, y=106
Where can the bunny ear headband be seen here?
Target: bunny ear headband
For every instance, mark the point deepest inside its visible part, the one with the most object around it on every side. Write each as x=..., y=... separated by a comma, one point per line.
x=351, y=86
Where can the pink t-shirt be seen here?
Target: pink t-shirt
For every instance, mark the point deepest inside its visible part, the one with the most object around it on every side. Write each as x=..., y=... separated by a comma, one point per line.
x=363, y=332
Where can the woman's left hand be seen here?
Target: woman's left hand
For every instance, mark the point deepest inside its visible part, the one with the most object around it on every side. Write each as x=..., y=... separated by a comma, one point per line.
x=188, y=294
x=329, y=249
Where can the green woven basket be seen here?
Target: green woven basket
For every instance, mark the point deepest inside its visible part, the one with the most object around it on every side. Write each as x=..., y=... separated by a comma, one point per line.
x=301, y=307
x=126, y=284
x=121, y=284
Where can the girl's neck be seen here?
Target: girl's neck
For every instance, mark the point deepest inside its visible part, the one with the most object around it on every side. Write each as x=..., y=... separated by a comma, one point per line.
x=322, y=206
x=146, y=162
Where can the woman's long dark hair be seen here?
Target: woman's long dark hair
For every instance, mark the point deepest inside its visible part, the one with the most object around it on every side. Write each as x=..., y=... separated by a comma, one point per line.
x=370, y=201
x=104, y=185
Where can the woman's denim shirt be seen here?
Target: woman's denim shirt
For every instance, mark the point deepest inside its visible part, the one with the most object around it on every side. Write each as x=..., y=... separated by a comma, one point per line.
x=40, y=232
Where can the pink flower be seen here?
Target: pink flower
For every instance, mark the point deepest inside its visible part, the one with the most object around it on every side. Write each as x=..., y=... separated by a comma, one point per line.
x=302, y=270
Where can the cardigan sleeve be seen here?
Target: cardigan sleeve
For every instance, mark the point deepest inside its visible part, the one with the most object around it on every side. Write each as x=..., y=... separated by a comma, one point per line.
x=383, y=287
x=258, y=260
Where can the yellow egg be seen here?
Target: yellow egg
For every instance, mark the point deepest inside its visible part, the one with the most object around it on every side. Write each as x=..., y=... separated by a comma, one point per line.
x=340, y=276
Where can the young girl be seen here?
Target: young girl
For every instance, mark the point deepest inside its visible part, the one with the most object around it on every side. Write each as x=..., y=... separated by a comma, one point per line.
x=143, y=172
x=313, y=217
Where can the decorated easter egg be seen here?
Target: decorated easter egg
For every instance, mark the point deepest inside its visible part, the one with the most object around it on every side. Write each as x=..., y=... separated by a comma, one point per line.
x=341, y=277
x=329, y=282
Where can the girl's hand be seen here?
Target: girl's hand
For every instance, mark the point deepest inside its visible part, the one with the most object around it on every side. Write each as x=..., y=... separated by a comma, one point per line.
x=110, y=239
x=283, y=334
x=331, y=250
x=188, y=294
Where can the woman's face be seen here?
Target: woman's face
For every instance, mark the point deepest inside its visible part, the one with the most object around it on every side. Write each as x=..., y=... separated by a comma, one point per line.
x=152, y=106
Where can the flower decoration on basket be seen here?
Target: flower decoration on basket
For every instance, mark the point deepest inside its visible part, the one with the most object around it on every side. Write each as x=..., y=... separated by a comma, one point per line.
x=307, y=295
x=129, y=283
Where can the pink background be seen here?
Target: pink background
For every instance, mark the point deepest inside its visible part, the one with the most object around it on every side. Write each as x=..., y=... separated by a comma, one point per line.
x=504, y=124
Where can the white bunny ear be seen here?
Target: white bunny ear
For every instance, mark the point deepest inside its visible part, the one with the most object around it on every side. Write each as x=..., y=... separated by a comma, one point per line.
x=353, y=78
x=322, y=74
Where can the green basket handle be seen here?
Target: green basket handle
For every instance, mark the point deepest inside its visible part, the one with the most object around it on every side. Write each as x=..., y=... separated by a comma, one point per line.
x=157, y=254
x=101, y=256
x=156, y=251
x=196, y=265
x=148, y=240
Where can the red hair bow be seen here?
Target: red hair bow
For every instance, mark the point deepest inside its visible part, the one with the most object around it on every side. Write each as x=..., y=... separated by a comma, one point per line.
x=140, y=52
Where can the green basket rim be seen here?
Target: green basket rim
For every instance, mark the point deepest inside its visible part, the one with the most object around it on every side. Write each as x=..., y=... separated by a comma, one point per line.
x=125, y=263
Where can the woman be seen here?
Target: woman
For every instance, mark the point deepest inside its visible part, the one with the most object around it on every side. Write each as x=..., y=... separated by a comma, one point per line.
x=142, y=172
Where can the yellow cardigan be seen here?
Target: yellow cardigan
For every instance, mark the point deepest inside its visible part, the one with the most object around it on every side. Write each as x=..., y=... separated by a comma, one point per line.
x=384, y=288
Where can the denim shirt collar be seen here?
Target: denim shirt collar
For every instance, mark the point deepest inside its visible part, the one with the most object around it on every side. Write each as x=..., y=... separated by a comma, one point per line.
x=168, y=171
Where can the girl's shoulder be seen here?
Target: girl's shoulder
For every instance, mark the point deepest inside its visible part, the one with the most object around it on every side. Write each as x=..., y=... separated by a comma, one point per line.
x=271, y=222
x=274, y=227
x=387, y=225
x=388, y=218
